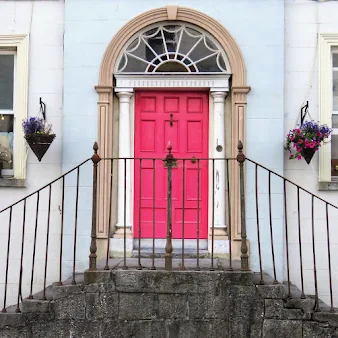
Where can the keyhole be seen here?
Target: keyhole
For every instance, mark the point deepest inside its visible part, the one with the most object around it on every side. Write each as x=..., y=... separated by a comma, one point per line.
x=171, y=120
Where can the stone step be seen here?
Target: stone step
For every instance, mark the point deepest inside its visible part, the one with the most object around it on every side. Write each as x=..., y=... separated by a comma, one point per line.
x=160, y=253
x=202, y=302
x=36, y=306
x=269, y=290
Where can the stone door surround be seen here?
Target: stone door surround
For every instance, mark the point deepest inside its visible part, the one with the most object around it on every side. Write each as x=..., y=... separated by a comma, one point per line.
x=105, y=90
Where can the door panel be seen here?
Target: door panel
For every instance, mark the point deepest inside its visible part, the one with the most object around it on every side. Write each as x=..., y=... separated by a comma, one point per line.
x=181, y=118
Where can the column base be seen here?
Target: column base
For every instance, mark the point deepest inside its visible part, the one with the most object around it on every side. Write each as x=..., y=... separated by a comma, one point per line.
x=117, y=242
x=220, y=232
x=116, y=248
x=120, y=228
x=221, y=241
x=221, y=247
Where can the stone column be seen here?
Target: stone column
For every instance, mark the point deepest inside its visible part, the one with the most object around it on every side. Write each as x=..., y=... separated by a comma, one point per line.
x=124, y=151
x=218, y=151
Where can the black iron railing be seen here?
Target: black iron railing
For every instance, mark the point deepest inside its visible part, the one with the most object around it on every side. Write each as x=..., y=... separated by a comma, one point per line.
x=303, y=214
x=12, y=250
x=265, y=261
x=244, y=167
x=172, y=163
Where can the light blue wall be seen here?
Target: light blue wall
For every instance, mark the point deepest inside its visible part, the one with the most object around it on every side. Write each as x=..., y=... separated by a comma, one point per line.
x=258, y=28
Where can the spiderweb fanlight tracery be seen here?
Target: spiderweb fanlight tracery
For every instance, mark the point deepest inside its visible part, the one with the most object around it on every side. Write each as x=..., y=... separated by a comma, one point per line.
x=173, y=48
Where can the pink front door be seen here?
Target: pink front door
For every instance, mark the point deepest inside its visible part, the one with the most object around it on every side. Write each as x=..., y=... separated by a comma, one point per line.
x=181, y=118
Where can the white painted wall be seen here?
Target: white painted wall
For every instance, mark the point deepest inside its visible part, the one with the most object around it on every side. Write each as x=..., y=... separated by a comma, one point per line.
x=303, y=20
x=44, y=22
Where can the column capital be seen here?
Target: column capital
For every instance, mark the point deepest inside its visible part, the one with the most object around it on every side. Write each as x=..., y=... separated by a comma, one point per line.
x=218, y=96
x=103, y=89
x=239, y=94
x=124, y=96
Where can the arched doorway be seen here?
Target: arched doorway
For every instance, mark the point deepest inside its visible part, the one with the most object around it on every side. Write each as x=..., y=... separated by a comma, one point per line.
x=147, y=54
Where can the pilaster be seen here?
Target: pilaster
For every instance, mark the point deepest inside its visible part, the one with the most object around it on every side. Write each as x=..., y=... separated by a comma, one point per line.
x=238, y=133
x=105, y=122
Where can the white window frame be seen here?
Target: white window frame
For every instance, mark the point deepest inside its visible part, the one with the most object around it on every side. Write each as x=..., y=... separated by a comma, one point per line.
x=10, y=172
x=20, y=44
x=328, y=42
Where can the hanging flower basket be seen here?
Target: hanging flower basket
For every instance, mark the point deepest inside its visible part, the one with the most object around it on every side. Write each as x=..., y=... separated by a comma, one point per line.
x=306, y=139
x=39, y=143
x=38, y=135
x=308, y=154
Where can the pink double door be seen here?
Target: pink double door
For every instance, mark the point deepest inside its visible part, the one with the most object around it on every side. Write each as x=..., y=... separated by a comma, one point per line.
x=180, y=117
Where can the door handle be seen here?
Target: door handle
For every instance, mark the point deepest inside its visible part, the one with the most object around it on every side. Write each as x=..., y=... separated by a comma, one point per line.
x=171, y=123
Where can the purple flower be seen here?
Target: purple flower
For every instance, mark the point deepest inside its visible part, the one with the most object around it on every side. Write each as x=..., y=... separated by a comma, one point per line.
x=33, y=125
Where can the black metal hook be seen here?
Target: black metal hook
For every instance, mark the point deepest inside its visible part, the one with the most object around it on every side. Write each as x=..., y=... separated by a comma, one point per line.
x=303, y=112
x=43, y=109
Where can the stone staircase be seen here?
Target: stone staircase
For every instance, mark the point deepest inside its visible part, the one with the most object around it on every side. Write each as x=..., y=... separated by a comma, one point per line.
x=142, y=304
x=294, y=317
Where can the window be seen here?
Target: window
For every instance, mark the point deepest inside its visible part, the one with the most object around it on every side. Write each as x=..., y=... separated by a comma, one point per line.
x=328, y=105
x=173, y=48
x=334, y=136
x=14, y=52
x=7, y=79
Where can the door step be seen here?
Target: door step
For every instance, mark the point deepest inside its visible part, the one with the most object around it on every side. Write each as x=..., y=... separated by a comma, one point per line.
x=189, y=244
x=160, y=253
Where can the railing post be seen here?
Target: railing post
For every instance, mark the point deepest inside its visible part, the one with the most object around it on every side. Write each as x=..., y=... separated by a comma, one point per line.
x=92, y=257
x=169, y=162
x=244, y=246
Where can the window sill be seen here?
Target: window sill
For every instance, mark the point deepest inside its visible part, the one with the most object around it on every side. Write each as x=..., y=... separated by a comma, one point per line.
x=12, y=183
x=328, y=186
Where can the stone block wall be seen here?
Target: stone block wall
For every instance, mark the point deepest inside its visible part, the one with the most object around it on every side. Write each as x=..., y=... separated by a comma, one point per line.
x=159, y=304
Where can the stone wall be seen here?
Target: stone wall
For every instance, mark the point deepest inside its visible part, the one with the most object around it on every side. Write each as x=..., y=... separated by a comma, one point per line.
x=160, y=304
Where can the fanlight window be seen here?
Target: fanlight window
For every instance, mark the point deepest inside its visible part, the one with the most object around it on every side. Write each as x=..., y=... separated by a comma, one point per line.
x=173, y=48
